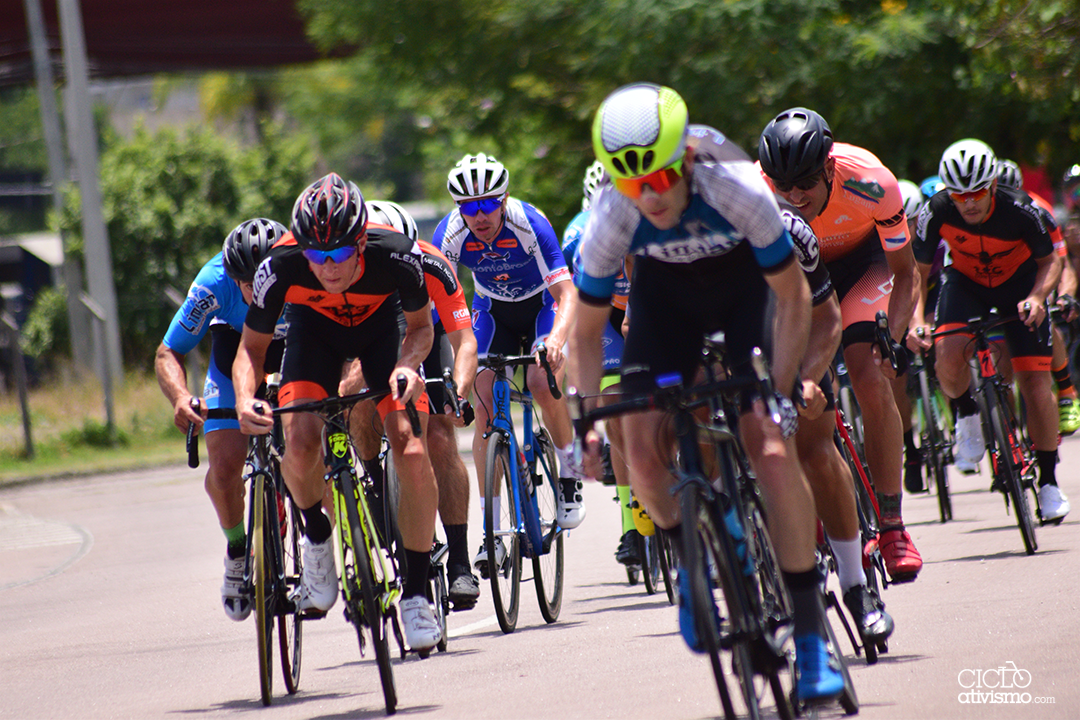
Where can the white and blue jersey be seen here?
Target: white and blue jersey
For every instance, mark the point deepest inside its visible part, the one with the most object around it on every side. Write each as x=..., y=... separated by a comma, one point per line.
x=612, y=341
x=213, y=299
x=729, y=205
x=522, y=260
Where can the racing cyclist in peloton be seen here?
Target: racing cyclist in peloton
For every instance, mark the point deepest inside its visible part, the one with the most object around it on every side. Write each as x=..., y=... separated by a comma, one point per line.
x=523, y=297
x=853, y=204
x=218, y=301
x=709, y=248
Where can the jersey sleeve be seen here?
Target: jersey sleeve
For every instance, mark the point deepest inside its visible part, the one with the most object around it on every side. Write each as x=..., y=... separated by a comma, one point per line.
x=547, y=252
x=927, y=232
x=206, y=299
x=808, y=253
x=606, y=240
x=444, y=289
x=269, y=288
x=740, y=194
x=889, y=217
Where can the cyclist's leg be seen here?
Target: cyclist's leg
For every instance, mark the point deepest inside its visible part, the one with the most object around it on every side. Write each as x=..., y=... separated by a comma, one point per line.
x=453, y=481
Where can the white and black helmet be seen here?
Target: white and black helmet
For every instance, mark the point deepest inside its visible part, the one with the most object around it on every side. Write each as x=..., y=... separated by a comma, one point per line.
x=913, y=198
x=477, y=176
x=389, y=213
x=595, y=177
x=967, y=165
x=1009, y=175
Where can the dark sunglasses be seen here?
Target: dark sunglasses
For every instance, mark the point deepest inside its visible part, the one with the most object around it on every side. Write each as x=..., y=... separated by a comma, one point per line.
x=484, y=205
x=806, y=184
x=338, y=255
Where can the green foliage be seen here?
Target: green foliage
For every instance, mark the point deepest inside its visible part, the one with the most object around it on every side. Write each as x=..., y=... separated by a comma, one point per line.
x=22, y=142
x=46, y=333
x=169, y=199
x=96, y=434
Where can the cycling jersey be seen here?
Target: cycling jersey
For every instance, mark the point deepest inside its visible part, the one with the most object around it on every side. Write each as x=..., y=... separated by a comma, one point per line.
x=808, y=254
x=523, y=260
x=1008, y=242
x=1051, y=224
x=571, y=243
x=730, y=206
x=390, y=263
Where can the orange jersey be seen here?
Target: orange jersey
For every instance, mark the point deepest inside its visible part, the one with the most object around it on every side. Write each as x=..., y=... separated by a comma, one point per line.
x=865, y=200
x=1051, y=223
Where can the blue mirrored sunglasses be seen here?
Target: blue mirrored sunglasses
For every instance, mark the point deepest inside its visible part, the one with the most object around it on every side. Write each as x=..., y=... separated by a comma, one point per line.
x=484, y=205
x=338, y=255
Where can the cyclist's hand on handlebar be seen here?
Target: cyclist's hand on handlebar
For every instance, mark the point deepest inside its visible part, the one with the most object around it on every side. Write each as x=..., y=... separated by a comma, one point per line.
x=555, y=356
x=1069, y=306
x=413, y=390
x=919, y=339
x=1031, y=311
x=814, y=400
x=592, y=454
x=188, y=409
x=255, y=416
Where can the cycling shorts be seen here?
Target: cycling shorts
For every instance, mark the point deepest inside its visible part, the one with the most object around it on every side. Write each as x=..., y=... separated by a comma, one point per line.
x=512, y=328
x=863, y=283
x=962, y=299
x=675, y=306
x=316, y=349
x=218, y=389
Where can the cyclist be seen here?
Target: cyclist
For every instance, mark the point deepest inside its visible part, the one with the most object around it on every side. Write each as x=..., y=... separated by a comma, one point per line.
x=627, y=551
x=218, y=301
x=709, y=246
x=1010, y=176
x=522, y=298
x=853, y=204
x=1002, y=257
x=454, y=348
x=345, y=294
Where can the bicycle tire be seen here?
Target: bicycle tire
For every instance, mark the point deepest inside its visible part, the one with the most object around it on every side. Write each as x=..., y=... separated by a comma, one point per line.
x=667, y=564
x=933, y=447
x=505, y=580
x=368, y=611
x=264, y=615
x=548, y=562
x=1007, y=471
x=697, y=564
x=650, y=562
x=441, y=599
x=290, y=626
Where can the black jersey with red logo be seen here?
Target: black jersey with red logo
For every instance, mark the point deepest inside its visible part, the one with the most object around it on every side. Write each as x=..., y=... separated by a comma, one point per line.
x=391, y=263
x=1008, y=242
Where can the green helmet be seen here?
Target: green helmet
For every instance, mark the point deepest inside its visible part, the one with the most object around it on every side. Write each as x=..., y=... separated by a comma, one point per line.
x=639, y=129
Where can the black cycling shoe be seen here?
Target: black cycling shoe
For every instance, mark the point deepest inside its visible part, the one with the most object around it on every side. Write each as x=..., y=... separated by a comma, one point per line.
x=913, y=480
x=627, y=554
x=609, y=469
x=869, y=613
x=464, y=588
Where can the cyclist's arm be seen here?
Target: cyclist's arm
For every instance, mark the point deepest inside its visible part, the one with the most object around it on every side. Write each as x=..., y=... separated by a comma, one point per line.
x=172, y=378
x=1047, y=274
x=565, y=311
x=826, y=328
x=465, y=363
x=792, y=325
x=918, y=317
x=902, y=299
x=419, y=334
x=250, y=355
x=586, y=357
x=1068, y=283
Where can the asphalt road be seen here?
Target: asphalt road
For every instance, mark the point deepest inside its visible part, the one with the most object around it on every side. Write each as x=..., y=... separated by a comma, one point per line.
x=109, y=594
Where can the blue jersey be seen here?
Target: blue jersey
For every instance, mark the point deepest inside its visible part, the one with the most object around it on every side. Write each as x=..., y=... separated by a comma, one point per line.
x=522, y=260
x=571, y=246
x=729, y=205
x=213, y=297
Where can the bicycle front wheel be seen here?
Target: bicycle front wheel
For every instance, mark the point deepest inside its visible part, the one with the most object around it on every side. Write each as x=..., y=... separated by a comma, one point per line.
x=933, y=446
x=667, y=563
x=548, y=561
x=364, y=607
x=290, y=629
x=1008, y=468
x=650, y=562
x=264, y=615
x=500, y=533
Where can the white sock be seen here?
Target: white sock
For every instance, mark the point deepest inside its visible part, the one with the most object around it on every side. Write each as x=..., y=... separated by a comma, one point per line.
x=849, y=567
x=565, y=456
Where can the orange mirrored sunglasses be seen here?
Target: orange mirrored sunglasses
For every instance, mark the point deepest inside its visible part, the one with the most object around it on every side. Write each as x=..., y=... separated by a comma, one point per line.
x=660, y=181
x=973, y=196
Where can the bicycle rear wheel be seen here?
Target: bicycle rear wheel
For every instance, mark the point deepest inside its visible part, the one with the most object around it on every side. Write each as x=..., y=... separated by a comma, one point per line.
x=264, y=615
x=365, y=609
x=1008, y=467
x=934, y=441
x=547, y=562
x=439, y=597
x=290, y=629
x=500, y=533
x=650, y=562
x=667, y=564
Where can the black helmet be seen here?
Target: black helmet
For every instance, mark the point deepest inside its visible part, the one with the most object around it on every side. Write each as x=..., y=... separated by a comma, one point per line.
x=329, y=214
x=247, y=245
x=795, y=145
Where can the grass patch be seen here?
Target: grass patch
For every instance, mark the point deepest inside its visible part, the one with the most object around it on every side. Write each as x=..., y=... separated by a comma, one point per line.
x=70, y=435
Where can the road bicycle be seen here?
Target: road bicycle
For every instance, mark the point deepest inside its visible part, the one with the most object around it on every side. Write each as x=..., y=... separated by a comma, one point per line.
x=737, y=594
x=273, y=563
x=370, y=581
x=936, y=439
x=1012, y=458
x=521, y=484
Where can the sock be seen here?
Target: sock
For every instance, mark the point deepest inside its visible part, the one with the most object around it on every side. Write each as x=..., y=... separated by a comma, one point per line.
x=1047, y=460
x=1064, y=381
x=623, y=491
x=889, y=506
x=457, y=539
x=806, y=601
x=417, y=566
x=965, y=405
x=316, y=524
x=236, y=539
x=911, y=453
x=565, y=466
x=849, y=558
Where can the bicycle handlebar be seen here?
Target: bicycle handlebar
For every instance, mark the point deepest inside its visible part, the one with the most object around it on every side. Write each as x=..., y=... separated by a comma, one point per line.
x=193, y=434
x=890, y=349
x=498, y=362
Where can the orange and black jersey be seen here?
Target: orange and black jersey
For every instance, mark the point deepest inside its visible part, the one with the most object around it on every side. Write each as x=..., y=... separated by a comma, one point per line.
x=391, y=263
x=1008, y=242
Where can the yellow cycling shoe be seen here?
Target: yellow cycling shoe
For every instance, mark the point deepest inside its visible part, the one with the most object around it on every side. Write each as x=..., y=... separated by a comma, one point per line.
x=642, y=522
x=1068, y=416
